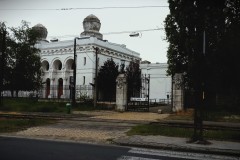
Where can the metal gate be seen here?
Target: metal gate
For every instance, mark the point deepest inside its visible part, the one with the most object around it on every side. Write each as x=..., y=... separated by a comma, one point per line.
x=138, y=95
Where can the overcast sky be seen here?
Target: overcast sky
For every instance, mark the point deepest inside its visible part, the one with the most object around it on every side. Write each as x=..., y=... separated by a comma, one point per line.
x=61, y=23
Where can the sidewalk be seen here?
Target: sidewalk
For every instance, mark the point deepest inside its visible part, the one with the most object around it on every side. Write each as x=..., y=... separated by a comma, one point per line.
x=110, y=126
x=180, y=144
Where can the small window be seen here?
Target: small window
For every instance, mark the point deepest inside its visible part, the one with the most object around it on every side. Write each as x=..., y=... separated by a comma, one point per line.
x=84, y=61
x=84, y=80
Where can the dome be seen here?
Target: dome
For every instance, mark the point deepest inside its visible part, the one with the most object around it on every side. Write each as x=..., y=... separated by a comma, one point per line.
x=91, y=26
x=91, y=17
x=41, y=30
x=92, y=23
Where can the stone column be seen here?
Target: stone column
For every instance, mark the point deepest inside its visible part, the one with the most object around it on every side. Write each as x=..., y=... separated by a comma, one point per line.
x=65, y=85
x=121, y=93
x=52, y=89
x=177, y=93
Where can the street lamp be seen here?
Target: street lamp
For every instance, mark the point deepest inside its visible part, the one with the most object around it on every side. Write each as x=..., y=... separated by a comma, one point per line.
x=135, y=34
x=73, y=85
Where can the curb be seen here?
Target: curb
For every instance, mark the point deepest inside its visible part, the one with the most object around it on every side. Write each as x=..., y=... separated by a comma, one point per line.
x=179, y=148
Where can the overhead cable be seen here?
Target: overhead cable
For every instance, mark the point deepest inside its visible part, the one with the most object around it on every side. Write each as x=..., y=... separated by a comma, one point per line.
x=85, y=8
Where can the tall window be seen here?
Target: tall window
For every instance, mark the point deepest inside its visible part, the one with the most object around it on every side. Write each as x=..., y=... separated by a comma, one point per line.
x=84, y=80
x=84, y=61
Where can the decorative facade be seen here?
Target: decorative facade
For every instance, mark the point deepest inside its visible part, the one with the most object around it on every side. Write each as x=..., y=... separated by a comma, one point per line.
x=57, y=59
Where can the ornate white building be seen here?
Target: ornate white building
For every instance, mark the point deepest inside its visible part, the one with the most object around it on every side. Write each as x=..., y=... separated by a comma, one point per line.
x=57, y=59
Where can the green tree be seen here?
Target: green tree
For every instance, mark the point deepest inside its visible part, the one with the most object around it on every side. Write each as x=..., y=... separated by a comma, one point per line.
x=227, y=60
x=184, y=27
x=107, y=76
x=133, y=74
x=23, y=64
x=6, y=57
x=3, y=35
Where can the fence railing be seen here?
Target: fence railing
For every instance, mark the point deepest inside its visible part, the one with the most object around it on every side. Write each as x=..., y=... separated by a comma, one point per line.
x=154, y=102
x=64, y=92
x=54, y=92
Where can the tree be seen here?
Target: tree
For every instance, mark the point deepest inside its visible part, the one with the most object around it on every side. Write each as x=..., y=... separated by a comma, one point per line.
x=3, y=35
x=23, y=64
x=133, y=74
x=107, y=76
x=227, y=60
x=6, y=57
x=185, y=27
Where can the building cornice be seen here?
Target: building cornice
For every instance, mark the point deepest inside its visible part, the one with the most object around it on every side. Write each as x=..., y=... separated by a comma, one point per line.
x=86, y=44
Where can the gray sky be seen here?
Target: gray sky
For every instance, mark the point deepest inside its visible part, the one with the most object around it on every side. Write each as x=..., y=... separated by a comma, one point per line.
x=59, y=23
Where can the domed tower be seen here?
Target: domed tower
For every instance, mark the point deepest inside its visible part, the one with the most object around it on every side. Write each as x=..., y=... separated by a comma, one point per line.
x=91, y=26
x=42, y=32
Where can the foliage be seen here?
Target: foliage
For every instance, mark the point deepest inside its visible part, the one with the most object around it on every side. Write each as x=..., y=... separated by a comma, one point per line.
x=228, y=52
x=107, y=79
x=22, y=67
x=4, y=71
x=185, y=26
x=133, y=74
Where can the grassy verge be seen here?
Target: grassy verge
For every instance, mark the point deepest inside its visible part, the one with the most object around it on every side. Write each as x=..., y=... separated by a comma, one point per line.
x=208, y=115
x=13, y=125
x=155, y=129
x=31, y=105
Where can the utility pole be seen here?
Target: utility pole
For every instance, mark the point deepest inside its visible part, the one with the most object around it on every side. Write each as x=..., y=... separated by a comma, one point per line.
x=96, y=78
x=73, y=88
x=198, y=115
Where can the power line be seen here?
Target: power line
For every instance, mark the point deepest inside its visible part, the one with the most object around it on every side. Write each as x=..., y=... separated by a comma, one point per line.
x=110, y=33
x=122, y=32
x=82, y=8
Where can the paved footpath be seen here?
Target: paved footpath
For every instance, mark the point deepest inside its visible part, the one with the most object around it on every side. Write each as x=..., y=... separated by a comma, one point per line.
x=110, y=127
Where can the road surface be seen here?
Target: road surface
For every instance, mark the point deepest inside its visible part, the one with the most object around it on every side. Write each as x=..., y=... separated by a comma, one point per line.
x=32, y=149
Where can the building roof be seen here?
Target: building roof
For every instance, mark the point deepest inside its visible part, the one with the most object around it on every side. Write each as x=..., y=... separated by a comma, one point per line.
x=88, y=41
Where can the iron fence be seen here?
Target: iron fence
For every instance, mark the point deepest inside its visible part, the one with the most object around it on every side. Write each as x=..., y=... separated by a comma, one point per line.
x=65, y=92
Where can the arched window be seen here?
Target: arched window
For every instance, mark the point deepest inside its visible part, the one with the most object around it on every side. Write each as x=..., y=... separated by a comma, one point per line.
x=57, y=65
x=45, y=65
x=69, y=64
x=60, y=66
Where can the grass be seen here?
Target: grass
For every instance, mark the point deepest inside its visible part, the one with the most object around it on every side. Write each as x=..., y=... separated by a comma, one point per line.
x=155, y=129
x=222, y=116
x=31, y=105
x=217, y=115
x=13, y=125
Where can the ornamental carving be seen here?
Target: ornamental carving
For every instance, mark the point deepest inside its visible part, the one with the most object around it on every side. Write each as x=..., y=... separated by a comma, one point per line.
x=178, y=81
x=120, y=83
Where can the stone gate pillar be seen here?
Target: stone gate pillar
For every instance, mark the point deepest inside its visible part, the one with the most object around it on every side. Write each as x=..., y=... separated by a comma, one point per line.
x=121, y=93
x=177, y=92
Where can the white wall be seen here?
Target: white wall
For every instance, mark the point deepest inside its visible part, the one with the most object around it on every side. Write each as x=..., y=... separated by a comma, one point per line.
x=160, y=83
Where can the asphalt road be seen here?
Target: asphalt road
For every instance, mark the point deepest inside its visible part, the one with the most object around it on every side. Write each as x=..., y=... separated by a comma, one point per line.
x=30, y=149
